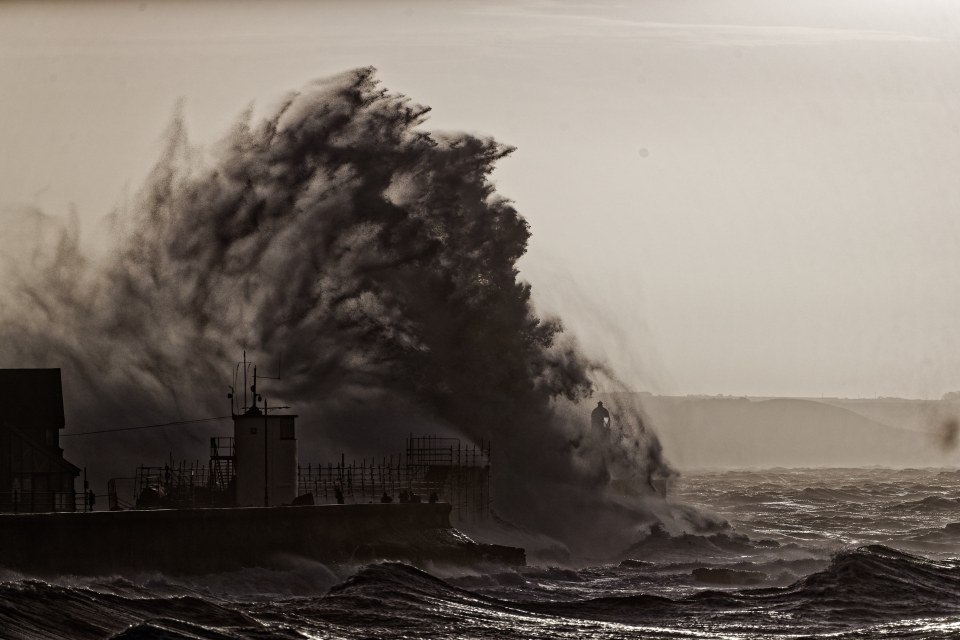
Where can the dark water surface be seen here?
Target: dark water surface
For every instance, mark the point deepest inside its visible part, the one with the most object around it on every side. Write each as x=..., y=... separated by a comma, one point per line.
x=843, y=553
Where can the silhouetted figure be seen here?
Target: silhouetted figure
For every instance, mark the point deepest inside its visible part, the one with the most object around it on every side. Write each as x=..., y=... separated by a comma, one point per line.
x=385, y=498
x=338, y=492
x=600, y=417
x=434, y=498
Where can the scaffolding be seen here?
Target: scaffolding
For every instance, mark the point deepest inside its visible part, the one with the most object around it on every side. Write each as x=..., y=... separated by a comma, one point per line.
x=431, y=468
x=222, y=464
x=120, y=496
x=178, y=486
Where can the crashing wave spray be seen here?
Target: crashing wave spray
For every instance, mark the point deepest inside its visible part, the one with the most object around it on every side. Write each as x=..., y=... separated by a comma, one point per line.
x=379, y=261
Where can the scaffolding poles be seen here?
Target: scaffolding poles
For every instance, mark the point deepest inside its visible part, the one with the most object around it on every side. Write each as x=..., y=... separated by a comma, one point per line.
x=431, y=468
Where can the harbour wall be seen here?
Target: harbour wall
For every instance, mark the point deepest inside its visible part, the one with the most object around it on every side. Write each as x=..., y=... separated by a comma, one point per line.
x=183, y=541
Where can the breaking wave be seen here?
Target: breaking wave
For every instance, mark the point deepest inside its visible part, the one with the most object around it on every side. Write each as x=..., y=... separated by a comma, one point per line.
x=377, y=260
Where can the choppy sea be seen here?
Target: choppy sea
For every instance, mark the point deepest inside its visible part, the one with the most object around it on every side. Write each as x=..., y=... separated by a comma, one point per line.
x=811, y=553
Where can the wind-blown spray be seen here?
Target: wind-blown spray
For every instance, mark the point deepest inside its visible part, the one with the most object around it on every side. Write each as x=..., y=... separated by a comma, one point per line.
x=379, y=261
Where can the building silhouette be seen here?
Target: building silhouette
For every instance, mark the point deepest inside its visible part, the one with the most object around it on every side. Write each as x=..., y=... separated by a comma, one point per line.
x=34, y=476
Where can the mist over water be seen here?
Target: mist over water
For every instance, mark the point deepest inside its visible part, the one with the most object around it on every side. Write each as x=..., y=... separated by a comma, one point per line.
x=377, y=260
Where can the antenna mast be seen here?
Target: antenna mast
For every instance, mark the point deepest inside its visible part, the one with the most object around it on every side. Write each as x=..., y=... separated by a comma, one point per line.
x=244, y=408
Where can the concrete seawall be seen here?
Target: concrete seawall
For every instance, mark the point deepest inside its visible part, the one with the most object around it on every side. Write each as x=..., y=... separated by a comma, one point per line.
x=209, y=540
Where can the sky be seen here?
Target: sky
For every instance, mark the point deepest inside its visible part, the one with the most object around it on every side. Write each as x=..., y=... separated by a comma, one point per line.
x=727, y=197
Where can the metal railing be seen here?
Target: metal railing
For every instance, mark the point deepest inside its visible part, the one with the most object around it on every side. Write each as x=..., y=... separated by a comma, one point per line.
x=366, y=481
x=183, y=485
x=21, y=501
x=432, y=468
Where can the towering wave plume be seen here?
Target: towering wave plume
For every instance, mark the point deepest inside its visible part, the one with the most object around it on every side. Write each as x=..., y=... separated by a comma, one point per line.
x=374, y=257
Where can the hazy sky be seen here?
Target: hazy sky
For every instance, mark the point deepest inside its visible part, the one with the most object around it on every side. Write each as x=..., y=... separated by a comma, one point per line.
x=726, y=197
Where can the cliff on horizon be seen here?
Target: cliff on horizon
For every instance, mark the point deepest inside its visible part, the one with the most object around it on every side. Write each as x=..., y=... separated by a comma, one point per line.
x=701, y=432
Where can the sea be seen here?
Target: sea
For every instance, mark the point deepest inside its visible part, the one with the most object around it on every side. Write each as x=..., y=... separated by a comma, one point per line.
x=839, y=553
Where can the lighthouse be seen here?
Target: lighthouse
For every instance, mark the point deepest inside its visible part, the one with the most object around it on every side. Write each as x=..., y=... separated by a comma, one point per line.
x=265, y=450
